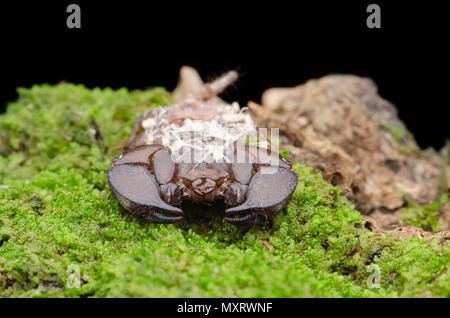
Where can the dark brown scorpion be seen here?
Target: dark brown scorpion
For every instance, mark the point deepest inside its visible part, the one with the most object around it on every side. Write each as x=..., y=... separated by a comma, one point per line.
x=198, y=149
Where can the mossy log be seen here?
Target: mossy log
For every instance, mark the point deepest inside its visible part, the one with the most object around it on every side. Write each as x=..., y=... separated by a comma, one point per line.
x=58, y=221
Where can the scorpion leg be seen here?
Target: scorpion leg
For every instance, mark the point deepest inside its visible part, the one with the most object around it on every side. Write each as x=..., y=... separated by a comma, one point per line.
x=235, y=193
x=269, y=191
x=137, y=156
x=134, y=131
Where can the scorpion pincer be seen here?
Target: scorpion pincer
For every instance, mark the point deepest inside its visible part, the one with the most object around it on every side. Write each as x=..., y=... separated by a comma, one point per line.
x=193, y=150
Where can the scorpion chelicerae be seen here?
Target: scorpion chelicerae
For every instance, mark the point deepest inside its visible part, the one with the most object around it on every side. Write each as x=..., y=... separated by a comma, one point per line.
x=198, y=149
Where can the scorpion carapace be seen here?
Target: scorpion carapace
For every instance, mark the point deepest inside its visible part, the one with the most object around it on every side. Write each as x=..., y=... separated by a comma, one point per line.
x=198, y=150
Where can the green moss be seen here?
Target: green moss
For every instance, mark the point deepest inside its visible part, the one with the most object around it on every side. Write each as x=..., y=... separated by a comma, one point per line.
x=407, y=267
x=401, y=136
x=64, y=123
x=57, y=218
x=397, y=132
x=405, y=150
x=285, y=153
x=446, y=151
x=426, y=217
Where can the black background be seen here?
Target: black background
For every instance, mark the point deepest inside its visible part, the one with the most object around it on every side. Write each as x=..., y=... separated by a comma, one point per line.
x=140, y=44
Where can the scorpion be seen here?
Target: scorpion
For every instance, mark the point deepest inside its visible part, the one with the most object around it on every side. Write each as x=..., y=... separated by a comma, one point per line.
x=195, y=150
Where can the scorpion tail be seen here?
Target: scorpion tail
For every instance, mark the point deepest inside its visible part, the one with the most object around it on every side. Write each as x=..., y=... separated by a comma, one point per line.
x=217, y=86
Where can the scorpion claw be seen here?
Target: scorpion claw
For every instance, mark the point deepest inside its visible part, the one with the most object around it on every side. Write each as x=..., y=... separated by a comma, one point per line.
x=157, y=217
x=249, y=219
x=136, y=189
x=268, y=193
